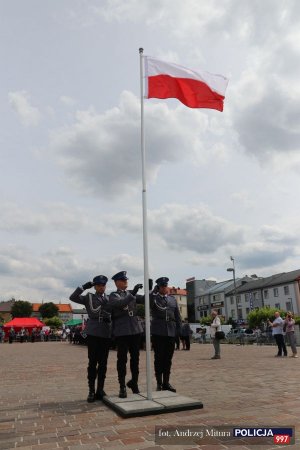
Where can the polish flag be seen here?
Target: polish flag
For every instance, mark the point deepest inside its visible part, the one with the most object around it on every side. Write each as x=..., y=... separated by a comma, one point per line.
x=194, y=89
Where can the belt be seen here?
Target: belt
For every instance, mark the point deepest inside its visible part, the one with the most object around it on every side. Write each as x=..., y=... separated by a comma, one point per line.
x=102, y=319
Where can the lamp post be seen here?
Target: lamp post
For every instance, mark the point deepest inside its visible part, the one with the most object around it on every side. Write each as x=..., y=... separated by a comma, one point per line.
x=232, y=269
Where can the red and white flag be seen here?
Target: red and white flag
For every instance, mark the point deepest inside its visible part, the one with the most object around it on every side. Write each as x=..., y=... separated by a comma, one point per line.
x=194, y=89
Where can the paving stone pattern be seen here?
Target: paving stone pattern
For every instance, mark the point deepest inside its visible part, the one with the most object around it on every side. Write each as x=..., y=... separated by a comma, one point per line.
x=43, y=392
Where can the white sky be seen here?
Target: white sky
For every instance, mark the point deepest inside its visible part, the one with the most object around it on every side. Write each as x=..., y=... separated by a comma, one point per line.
x=219, y=184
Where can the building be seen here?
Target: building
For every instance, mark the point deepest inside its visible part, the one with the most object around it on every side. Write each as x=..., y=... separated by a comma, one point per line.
x=80, y=313
x=65, y=311
x=280, y=291
x=195, y=288
x=5, y=310
x=181, y=298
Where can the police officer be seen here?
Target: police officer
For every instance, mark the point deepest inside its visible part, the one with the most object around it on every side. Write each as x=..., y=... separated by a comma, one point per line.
x=166, y=322
x=98, y=330
x=127, y=331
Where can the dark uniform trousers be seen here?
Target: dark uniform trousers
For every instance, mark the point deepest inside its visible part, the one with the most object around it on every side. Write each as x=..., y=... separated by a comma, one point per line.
x=130, y=343
x=98, y=349
x=163, y=347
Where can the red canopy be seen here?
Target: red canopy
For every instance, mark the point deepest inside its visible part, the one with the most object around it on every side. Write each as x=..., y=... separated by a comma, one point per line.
x=26, y=322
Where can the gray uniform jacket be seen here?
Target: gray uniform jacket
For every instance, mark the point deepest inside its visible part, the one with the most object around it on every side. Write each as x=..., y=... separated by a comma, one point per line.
x=99, y=312
x=166, y=320
x=125, y=320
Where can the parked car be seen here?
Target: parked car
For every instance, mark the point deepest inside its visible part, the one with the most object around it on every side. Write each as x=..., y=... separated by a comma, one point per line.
x=241, y=336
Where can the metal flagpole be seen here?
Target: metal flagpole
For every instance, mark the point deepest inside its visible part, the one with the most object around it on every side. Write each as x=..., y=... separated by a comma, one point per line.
x=145, y=240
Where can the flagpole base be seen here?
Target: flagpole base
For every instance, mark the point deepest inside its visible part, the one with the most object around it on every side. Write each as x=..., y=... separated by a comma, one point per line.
x=163, y=402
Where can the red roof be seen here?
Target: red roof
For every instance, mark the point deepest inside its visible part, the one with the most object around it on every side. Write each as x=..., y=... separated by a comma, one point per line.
x=62, y=307
x=26, y=322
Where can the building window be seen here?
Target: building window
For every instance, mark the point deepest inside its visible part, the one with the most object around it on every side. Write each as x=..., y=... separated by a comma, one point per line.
x=266, y=293
x=277, y=305
x=247, y=311
x=275, y=292
x=289, y=306
x=286, y=290
x=233, y=313
x=238, y=299
x=247, y=297
x=231, y=300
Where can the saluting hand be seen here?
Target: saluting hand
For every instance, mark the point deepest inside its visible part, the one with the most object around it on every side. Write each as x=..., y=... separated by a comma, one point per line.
x=87, y=285
x=136, y=288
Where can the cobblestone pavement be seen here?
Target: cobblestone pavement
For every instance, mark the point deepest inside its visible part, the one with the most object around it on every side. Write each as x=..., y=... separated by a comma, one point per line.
x=43, y=394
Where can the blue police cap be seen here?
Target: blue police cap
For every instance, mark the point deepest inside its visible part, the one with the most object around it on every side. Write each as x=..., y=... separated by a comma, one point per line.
x=162, y=281
x=120, y=276
x=100, y=279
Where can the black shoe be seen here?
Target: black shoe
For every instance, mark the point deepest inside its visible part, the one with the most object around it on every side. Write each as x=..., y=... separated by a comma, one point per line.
x=133, y=386
x=91, y=397
x=159, y=387
x=168, y=387
x=99, y=395
x=123, y=392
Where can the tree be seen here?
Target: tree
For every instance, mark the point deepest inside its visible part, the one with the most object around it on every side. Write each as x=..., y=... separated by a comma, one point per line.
x=258, y=316
x=54, y=322
x=48, y=310
x=21, y=308
x=140, y=310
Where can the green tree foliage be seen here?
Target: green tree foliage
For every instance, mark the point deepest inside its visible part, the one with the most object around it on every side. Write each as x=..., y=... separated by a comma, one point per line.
x=140, y=310
x=48, y=310
x=54, y=322
x=260, y=315
x=21, y=308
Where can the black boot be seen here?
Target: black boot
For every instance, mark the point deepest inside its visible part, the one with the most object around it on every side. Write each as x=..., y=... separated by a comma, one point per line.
x=100, y=393
x=91, y=396
x=166, y=385
x=122, y=392
x=134, y=386
x=159, y=382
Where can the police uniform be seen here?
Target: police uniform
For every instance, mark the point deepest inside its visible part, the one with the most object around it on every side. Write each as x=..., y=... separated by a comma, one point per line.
x=127, y=331
x=165, y=323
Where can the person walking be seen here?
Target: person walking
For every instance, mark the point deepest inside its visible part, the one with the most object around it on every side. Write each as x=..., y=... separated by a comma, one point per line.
x=277, y=331
x=186, y=333
x=166, y=322
x=289, y=326
x=127, y=330
x=215, y=326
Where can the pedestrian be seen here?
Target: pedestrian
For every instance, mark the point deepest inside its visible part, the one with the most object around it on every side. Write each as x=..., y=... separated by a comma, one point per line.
x=11, y=335
x=289, y=327
x=22, y=335
x=127, y=330
x=277, y=331
x=186, y=333
x=166, y=322
x=98, y=330
x=215, y=326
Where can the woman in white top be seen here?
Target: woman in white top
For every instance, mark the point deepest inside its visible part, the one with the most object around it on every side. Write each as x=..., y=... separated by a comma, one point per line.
x=215, y=326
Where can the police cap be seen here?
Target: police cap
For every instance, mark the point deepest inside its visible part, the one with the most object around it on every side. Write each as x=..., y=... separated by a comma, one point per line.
x=100, y=279
x=162, y=281
x=120, y=276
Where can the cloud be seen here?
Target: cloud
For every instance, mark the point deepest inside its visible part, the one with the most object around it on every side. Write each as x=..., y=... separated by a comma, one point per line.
x=193, y=228
x=28, y=114
x=100, y=153
x=55, y=274
x=68, y=101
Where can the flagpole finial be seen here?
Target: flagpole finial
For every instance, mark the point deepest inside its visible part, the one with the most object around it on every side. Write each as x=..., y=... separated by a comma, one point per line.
x=141, y=50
